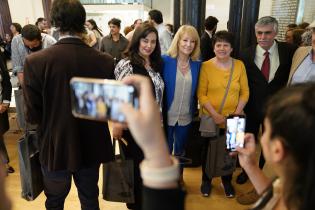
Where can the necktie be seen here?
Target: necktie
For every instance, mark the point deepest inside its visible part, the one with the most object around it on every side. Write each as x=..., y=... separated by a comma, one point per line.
x=265, y=68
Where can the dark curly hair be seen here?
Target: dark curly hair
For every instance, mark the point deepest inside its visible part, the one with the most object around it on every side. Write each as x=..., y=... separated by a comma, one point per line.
x=68, y=16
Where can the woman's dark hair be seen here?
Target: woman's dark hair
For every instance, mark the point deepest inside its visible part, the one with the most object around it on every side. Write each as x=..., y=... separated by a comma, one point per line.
x=68, y=16
x=223, y=36
x=17, y=26
x=297, y=36
x=94, y=26
x=291, y=113
x=155, y=58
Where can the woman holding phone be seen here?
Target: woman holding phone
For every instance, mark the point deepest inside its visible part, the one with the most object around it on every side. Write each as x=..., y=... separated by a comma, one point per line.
x=144, y=58
x=213, y=81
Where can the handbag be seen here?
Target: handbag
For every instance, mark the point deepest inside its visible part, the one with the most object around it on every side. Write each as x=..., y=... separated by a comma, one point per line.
x=208, y=128
x=118, y=178
x=219, y=161
x=30, y=168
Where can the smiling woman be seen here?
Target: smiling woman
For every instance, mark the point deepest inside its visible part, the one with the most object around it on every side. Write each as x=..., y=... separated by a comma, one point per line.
x=213, y=80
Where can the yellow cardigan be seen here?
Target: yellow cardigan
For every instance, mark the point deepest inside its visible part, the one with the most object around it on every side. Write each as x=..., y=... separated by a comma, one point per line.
x=213, y=82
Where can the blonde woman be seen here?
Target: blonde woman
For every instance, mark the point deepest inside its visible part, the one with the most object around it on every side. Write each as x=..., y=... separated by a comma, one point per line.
x=180, y=75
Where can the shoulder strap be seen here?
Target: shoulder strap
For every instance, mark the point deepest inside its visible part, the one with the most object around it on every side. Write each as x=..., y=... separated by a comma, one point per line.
x=227, y=88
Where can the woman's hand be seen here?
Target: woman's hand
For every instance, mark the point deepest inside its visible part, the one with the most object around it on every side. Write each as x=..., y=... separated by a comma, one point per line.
x=218, y=118
x=247, y=155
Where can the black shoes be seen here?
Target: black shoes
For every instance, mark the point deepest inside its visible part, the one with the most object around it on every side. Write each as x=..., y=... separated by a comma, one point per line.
x=241, y=178
x=228, y=189
x=205, y=188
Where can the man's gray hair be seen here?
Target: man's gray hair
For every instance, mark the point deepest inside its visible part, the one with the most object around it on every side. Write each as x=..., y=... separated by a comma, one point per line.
x=268, y=20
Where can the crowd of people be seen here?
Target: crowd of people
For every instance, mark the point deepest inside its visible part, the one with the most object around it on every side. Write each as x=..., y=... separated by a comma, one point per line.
x=174, y=73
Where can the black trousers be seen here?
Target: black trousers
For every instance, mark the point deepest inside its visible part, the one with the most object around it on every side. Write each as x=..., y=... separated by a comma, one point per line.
x=204, y=152
x=4, y=157
x=57, y=185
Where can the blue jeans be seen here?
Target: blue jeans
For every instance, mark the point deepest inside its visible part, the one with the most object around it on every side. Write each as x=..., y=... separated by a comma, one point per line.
x=177, y=134
x=57, y=185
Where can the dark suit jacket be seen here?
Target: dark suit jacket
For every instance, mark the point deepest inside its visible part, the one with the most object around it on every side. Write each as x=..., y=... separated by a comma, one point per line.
x=260, y=90
x=6, y=95
x=66, y=143
x=206, y=47
x=166, y=199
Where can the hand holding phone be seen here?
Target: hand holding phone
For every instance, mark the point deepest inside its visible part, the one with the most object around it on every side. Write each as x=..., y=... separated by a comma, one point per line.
x=235, y=132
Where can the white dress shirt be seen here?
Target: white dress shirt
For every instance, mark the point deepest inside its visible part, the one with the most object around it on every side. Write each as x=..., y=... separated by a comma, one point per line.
x=273, y=56
x=165, y=38
x=305, y=72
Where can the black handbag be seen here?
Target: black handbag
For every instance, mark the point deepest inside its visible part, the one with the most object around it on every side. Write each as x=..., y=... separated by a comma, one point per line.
x=118, y=178
x=219, y=161
x=30, y=168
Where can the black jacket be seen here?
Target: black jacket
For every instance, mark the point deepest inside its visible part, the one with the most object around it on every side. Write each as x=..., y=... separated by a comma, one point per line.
x=260, y=90
x=206, y=47
x=6, y=95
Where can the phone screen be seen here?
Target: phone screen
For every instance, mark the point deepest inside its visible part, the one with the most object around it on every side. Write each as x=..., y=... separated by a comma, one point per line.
x=98, y=99
x=235, y=132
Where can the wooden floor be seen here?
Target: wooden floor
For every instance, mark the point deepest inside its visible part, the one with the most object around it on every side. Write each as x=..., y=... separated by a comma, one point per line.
x=194, y=200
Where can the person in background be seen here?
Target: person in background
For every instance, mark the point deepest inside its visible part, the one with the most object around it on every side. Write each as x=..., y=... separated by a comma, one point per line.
x=294, y=36
x=5, y=98
x=213, y=80
x=136, y=24
x=303, y=63
x=127, y=30
x=41, y=23
x=165, y=38
x=92, y=26
x=303, y=25
x=15, y=29
x=267, y=65
x=180, y=75
x=292, y=26
x=170, y=29
x=144, y=58
x=206, y=47
x=115, y=43
x=30, y=40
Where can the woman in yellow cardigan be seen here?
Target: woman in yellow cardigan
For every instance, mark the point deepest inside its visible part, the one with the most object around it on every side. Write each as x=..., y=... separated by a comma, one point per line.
x=213, y=80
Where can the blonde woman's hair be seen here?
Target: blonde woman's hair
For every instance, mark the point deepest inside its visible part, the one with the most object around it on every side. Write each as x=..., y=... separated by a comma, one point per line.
x=190, y=31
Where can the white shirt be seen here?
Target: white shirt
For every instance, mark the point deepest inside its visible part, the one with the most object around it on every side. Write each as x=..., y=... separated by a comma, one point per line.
x=165, y=38
x=305, y=72
x=273, y=56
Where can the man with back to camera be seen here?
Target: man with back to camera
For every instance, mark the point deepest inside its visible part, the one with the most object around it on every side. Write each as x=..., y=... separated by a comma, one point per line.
x=115, y=43
x=206, y=48
x=68, y=147
x=165, y=38
x=267, y=66
x=30, y=40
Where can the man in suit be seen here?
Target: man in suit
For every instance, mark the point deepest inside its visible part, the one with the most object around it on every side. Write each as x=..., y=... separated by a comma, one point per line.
x=206, y=48
x=267, y=66
x=68, y=147
x=5, y=98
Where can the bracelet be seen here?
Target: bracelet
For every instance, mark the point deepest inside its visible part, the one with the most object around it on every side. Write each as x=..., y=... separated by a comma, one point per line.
x=160, y=175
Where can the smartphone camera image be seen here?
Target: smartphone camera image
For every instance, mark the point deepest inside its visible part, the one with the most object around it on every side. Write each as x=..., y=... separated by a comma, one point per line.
x=235, y=132
x=99, y=99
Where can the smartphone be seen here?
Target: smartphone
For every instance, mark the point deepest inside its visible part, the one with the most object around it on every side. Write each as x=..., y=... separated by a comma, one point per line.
x=100, y=99
x=235, y=131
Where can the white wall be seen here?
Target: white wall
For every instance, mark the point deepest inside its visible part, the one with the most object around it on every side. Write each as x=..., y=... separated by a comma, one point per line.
x=166, y=7
x=265, y=8
x=26, y=11
x=220, y=10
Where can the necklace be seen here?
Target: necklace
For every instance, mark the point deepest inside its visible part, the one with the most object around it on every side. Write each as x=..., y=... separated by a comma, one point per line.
x=183, y=67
